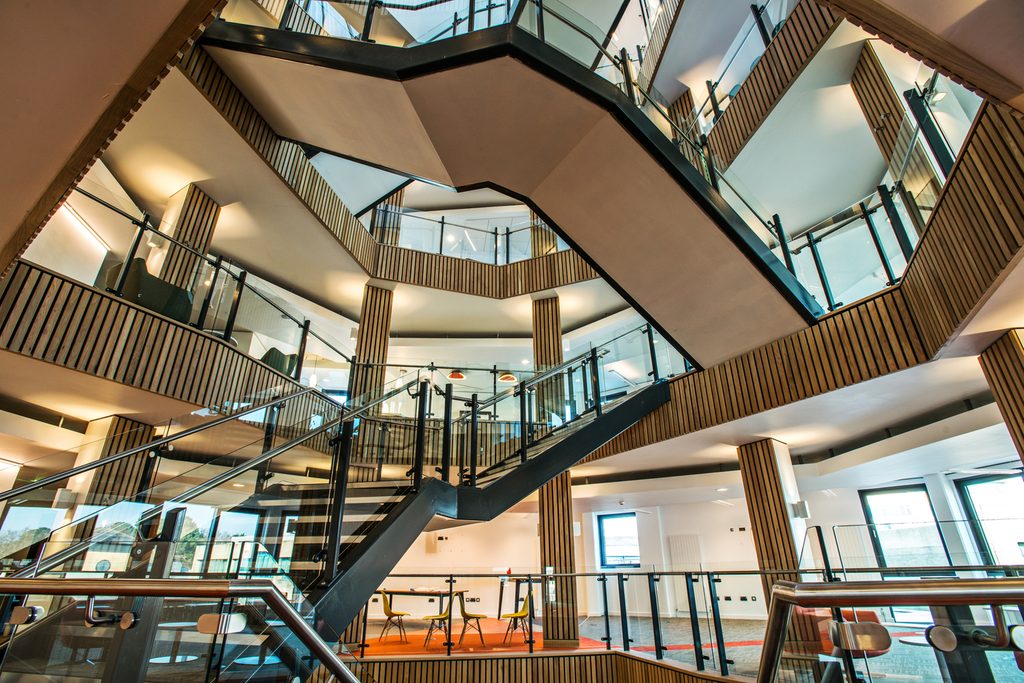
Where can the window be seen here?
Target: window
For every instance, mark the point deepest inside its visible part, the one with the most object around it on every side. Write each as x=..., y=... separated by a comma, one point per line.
x=993, y=504
x=618, y=540
x=902, y=527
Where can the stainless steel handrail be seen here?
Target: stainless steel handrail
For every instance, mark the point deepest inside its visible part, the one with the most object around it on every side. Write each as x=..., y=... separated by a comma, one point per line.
x=179, y=588
x=61, y=476
x=941, y=592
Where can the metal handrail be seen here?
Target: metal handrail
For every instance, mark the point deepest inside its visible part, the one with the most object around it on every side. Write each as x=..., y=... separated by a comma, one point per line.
x=943, y=592
x=183, y=588
x=61, y=476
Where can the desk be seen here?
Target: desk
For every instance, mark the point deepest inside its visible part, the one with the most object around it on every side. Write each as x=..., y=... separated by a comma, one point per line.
x=440, y=594
x=519, y=581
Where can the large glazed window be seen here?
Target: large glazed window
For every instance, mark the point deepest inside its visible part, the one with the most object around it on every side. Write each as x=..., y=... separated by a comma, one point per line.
x=619, y=540
x=993, y=504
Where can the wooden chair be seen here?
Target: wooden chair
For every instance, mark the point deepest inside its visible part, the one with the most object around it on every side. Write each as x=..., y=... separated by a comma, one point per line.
x=470, y=620
x=394, y=618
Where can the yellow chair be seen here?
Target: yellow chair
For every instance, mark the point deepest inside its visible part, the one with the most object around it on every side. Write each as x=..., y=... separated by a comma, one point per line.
x=518, y=621
x=394, y=618
x=468, y=617
x=438, y=622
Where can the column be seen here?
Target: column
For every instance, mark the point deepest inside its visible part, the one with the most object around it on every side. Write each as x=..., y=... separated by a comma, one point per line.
x=558, y=596
x=769, y=486
x=110, y=483
x=367, y=375
x=386, y=220
x=1003, y=364
x=543, y=240
x=190, y=218
x=372, y=340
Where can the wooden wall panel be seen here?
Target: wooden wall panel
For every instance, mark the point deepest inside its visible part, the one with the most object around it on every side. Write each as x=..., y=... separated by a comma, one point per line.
x=382, y=261
x=975, y=232
x=126, y=477
x=870, y=339
x=56, y=319
x=193, y=225
x=372, y=340
x=877, y=17
x=664, y=23
x=1003, y=364
x=805, y=31
x=884, y=112
x=580, y=667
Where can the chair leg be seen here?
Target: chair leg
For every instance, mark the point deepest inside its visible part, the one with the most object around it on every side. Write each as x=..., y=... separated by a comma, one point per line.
x=430, y=631
x=463, y=634
x=508, y=631
x=480, y=631
x=383, y=631
x=401, y=630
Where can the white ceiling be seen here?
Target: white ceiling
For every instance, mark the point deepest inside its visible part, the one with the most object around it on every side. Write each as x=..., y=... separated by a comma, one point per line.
x=421, y=196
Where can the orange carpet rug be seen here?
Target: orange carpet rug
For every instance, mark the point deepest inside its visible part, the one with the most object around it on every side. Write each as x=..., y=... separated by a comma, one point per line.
x=493, y=640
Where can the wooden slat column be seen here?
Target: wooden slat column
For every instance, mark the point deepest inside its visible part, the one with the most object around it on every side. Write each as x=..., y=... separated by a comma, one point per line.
x=372, y=340
x=884, y=112
x=191, y=218
x=769, y=486
x=372, y=350
x=543, y=240
x=1003, y=364
x=558, y=596
x=387, y=218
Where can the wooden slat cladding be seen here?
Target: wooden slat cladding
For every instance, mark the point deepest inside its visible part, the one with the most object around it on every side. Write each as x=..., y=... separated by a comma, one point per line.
x=193, y=226
x=870, y=339
x=194, y=17
x=581, y=667
x=53, y=318
x=372, y=339
x=664, y=23
x=387, y=218
x=975, y=232
x=558, y=597
x=381, y=261
x=878, y=17
x=766, y=504
x=805, y=31
x=884, y=112
x=1003, y=363
x=128, y=476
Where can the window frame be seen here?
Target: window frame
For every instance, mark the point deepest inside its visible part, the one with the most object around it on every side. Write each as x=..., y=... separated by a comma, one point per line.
x=973, y=521
x=872, y=525
x=602, y=553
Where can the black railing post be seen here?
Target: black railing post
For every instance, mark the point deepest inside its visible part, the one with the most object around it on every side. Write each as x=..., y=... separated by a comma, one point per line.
x=371, y=7
x=496, y=246
x=229, y=325
x=269, y=433
x=451, y=608
x=714, y=101
x=780, y=232
x=603, y=580
x=932, y=135
x=627, y=75
x=716, y=614
x=623, y=613
x=302, y=350
x=652, y=586
x=524, y=430
x=341, y=452
x=898, y=229
x=709, y=162
x=446, y=435
x=122, y=276
x=529, y=610
x=471, y=19
x=508, y=242
x=812, y=242
x=421, y=434
x=286, y=16
x=910, y=202
x=572, y=392
x=540, y=18
x=595, y=381
x=204, y=309
x=691, y=601
x=877, y=241
x=653, y=352
x=758, y=13
x=474, y=437
x=440, y=242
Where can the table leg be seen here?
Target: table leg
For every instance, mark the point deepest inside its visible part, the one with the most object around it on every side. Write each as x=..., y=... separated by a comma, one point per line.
x=501, y=596
x=519, y=585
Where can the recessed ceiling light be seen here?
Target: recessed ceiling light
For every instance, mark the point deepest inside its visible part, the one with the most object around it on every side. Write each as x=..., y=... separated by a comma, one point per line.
x=526, y=361
x=723, y=503
x=721, y=490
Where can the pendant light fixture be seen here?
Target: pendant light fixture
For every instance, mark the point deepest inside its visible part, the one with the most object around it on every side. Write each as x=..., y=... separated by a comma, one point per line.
x=507, y=377
x=455, y=375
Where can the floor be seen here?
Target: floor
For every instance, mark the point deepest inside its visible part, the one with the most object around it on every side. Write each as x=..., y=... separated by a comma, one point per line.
x=911, y=663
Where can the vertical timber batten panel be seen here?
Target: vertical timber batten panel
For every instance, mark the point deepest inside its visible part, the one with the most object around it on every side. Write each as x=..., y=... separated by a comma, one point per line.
x=193, y=226
x=52, y=318
x=805, y=31
x=1003, y=364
